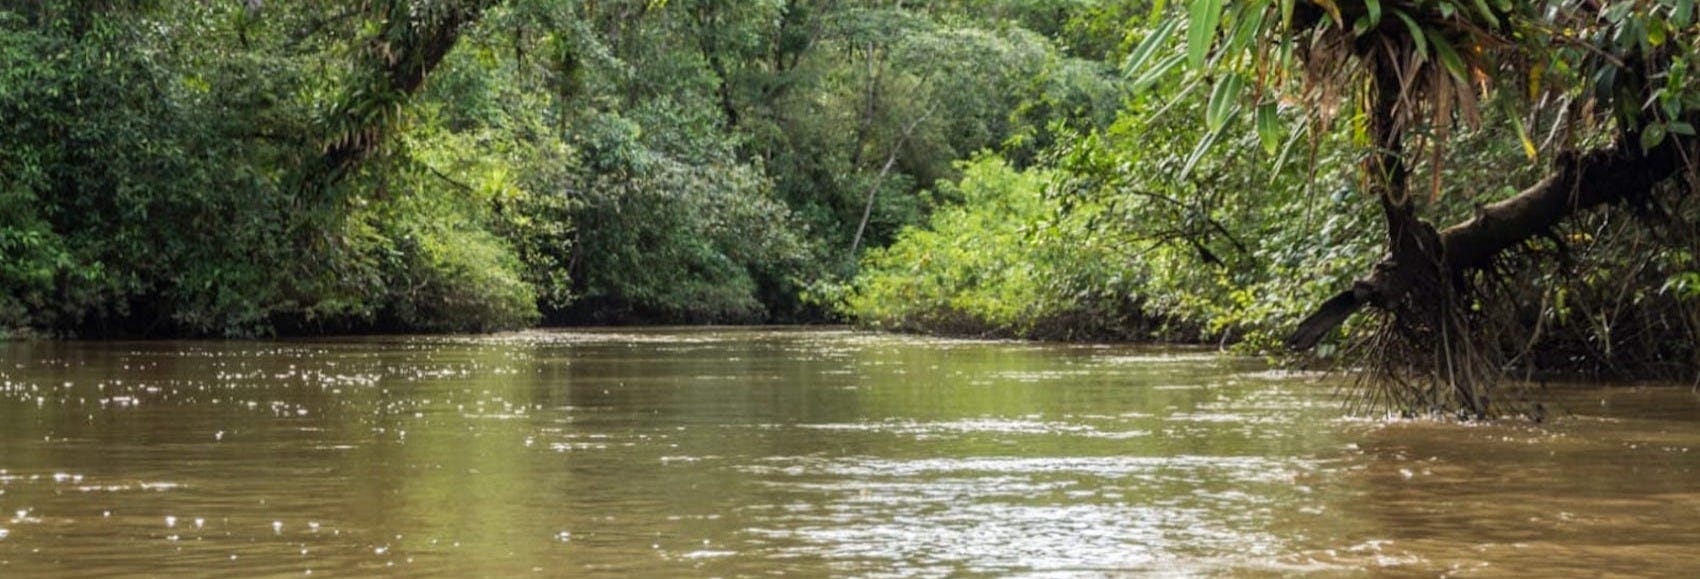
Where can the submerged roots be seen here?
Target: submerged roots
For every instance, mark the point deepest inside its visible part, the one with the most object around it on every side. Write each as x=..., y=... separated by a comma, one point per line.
x=1598, y=298
x=1418, y=368
x=1443, y=352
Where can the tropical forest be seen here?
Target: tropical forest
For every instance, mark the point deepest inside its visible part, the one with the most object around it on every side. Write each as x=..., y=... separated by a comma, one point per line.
x=841, y=261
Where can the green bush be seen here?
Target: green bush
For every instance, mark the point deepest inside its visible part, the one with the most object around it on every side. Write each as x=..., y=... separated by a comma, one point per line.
x=1114, y=242
x=147, y=189
x=1007, y=261
x=666, y=239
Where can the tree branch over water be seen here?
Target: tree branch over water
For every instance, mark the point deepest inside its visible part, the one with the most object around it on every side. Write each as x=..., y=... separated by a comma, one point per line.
x=1578, y=184
x=410, y=44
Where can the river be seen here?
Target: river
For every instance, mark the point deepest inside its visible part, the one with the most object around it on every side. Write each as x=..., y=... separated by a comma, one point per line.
x=754, y=452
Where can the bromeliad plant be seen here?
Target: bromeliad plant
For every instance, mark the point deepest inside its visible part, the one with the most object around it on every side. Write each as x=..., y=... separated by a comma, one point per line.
x=1599, y=92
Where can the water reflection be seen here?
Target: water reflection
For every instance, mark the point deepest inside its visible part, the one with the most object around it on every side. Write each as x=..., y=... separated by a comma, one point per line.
x=748, y=452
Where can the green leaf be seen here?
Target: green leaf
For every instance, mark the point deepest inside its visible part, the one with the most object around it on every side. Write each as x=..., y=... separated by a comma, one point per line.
x=1198, y=152
x=1156, y=73
x=1682, y=128
x=1149, y=46
x=1374, y=12
x=1417, y=36
x=1299, y=130
x=1449, y=57
x=1224, y=101
x=1269, y=127
x=1247, y=22
x=1201, y=30
x=1652, y=136
x=1671, y=102
x=1618, y=11
x=1179, y=97
x=1683, y=14
x=1332, y=9
x=1487, y=13
x=1605, y=80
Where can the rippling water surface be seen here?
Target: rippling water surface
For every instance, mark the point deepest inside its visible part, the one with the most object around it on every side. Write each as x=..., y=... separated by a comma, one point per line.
x=806, y=453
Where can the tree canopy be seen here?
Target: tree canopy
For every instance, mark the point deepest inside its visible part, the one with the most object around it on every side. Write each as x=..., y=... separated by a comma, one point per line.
x=1525, y=165
x=1604, y=88
x=248, y=167
x=1502, y=186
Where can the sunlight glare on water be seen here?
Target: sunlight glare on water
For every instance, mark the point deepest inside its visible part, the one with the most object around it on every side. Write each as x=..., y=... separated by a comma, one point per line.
x=730, y=452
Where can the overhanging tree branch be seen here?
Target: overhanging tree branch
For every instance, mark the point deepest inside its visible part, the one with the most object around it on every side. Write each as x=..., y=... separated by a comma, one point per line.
x=1578, y=184
x=412, y=42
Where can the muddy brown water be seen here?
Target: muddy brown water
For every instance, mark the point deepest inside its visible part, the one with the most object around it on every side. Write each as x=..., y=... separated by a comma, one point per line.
x=758, y=452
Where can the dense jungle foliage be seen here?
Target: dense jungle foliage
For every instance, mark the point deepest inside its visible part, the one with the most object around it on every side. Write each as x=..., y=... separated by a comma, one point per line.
x=240, y=168
x=1502, y=184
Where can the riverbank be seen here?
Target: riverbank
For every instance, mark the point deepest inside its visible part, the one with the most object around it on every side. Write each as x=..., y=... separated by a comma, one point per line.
x=1017, y=259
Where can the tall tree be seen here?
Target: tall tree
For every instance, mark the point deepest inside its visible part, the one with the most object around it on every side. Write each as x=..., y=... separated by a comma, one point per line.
x=1609, y=81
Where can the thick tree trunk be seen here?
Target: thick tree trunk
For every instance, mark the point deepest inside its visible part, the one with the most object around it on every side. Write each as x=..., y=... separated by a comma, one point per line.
x=1413, y=247
x=1579, y=183
x=1433, y=350
x=1582, y=183
x=408, y=48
